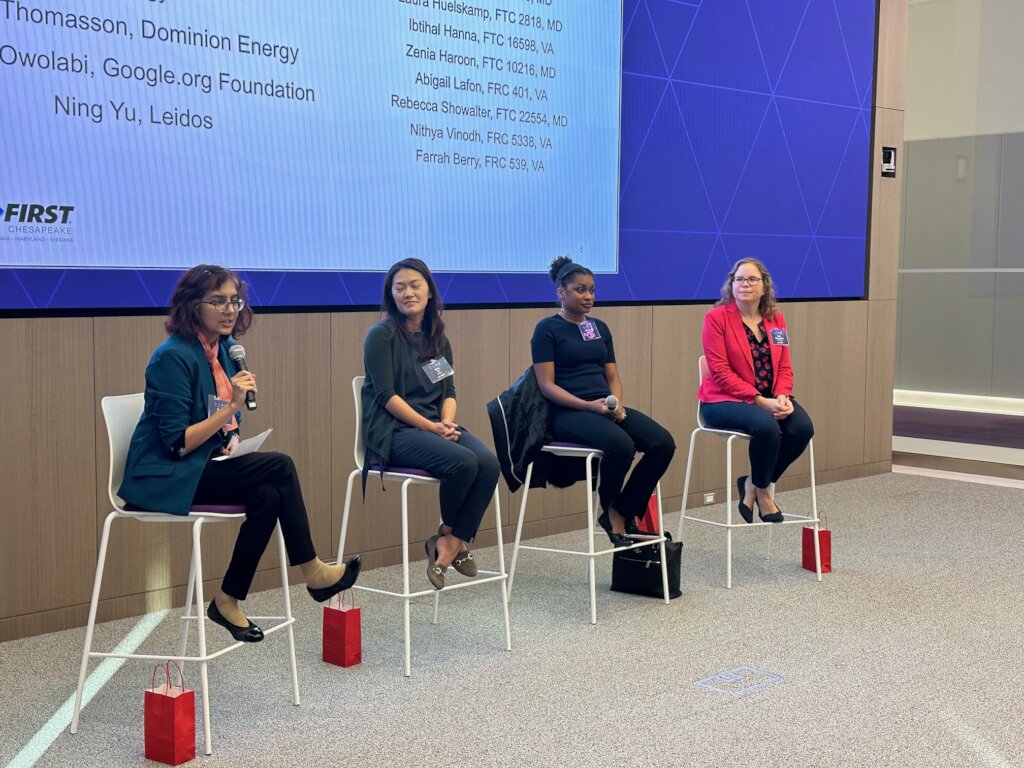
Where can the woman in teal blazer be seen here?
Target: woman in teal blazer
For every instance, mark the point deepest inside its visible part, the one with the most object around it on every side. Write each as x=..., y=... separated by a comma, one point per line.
x=193, y=402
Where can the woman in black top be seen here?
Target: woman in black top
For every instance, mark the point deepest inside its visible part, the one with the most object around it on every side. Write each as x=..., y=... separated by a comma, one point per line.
x=574, y=359
x=409, y=414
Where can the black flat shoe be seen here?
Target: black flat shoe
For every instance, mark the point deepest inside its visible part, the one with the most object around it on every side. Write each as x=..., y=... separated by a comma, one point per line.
x=617, y=539
x=249, y=634
x=745, y=512
x=323, y=594
x=771, y=517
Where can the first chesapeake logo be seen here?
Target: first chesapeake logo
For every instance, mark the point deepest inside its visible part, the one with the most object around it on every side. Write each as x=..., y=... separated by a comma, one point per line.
x=35, y=213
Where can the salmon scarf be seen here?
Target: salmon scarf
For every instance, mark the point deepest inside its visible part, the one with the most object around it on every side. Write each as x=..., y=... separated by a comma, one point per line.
x=220, y=378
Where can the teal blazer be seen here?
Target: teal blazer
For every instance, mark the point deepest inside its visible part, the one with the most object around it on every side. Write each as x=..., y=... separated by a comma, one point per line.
x=159, y=476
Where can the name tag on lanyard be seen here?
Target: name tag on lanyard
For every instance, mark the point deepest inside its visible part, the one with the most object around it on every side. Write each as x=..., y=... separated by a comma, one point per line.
x=437, y=369
x=588, y=330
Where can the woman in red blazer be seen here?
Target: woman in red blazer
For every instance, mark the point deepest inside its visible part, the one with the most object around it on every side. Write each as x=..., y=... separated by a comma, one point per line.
x=750, y=384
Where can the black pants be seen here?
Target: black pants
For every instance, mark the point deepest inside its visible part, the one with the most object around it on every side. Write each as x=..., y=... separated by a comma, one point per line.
x=267, y=485
x=467, y=469
x=620, y=440
x=774, y=445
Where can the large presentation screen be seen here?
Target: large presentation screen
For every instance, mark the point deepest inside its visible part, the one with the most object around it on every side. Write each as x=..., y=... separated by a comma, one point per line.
x=310, y=145
x=320, y=135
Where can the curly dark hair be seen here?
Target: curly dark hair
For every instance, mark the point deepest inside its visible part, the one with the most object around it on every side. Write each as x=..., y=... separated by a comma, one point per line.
x=433, y=325
x=183, y=318
x=767, y=304
x=562, y=279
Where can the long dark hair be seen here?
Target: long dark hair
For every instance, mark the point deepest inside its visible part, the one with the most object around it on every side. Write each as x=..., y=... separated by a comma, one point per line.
x=563, y=268
x=767, y=304
x=433, y=325
x=183, y=318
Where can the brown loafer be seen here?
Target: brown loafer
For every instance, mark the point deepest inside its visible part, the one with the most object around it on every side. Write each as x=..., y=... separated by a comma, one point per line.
x=435, y=572
x=465, y=564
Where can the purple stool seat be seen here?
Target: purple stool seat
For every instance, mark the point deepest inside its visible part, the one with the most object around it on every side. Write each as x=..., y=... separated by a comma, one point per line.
x=403, y=471
x=218, y=509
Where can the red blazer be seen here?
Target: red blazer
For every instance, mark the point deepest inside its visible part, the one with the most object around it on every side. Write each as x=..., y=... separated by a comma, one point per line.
x=730, y=363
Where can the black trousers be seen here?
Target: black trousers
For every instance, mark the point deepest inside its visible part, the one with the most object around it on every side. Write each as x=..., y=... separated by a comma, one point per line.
x=620, y=440
x=774, y=445
x=267, y=485
x=467, y=469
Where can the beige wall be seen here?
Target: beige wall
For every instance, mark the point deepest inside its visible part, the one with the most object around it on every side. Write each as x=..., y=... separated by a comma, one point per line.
x=964, y=65
x=54, y=449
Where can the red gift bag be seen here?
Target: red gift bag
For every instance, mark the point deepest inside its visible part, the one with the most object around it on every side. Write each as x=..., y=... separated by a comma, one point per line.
x=824, y=545
x=169, y=718
x=343, y=637
x=649, y=522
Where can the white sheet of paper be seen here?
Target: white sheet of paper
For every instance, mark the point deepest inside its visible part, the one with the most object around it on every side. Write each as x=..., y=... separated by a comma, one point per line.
x=249, y=445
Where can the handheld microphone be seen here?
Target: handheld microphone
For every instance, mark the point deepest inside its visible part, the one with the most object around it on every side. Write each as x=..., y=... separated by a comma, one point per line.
x=237, y=353
x=611, y=402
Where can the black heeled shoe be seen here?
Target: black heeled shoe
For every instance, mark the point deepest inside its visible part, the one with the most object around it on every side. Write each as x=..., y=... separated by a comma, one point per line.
x=323, y=594
x=617, y=539
x=745, y=512
x=249, y=634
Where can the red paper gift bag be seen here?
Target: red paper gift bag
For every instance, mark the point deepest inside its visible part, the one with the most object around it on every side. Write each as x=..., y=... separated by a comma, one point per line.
x=649, y=522
x=824, y=545
x=169, y=718
x=343, y=637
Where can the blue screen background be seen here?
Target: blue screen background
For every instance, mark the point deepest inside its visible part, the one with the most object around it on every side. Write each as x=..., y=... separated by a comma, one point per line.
x=745, y=131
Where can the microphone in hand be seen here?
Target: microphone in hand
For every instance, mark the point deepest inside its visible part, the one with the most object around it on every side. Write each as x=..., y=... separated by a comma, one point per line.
x=611, y=402
x=237, y=353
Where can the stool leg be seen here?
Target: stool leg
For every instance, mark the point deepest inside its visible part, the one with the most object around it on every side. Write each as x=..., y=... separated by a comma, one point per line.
x=187, y=618
x=344, y=515
x=590, y=540
x=282, y=556
x=771, y=491
x=501, y=568
x=728, y=512
x=405, y=575
x=814, y=511
x=197, y=563
x=519, y=529
x=437, y=595
x=101, y=562
x=686, y=483
x=661, y=533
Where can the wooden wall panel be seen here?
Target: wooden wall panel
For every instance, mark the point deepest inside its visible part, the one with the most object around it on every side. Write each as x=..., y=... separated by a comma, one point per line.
x=306, y=363
x=828, y=349
x=480, y=343
x=880, y=367
x=677, y=347
x=48, y=482
x=893, y=29
x=290, y=355
x=886, y=208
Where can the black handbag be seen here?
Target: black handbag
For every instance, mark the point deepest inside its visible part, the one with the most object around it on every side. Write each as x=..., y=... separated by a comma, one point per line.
x=638, y=571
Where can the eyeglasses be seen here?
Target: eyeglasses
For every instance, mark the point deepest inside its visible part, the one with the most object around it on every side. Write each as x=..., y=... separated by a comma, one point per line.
x=746, y=280
x=221, y=304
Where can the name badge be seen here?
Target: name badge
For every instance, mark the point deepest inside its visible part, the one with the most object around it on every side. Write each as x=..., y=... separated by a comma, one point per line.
x=438, y=369
x=588, y=330
x=214, y=404
x=779, y=337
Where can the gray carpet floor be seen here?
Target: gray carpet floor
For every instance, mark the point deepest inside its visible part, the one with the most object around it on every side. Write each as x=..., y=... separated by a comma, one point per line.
x=908, y=654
